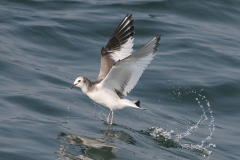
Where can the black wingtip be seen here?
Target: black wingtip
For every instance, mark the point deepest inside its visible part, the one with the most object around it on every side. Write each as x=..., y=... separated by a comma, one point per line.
x=138, y=104
x=121, y=35
x=158, y=37
x=130, y=16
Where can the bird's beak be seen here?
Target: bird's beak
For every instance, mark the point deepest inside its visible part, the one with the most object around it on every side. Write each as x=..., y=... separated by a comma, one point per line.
x=72, y=86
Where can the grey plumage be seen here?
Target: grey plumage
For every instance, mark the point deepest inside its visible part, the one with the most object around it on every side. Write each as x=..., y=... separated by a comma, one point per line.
x=120, y=36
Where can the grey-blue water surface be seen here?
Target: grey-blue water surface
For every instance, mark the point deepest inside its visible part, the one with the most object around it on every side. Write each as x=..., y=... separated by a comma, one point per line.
x=191, y=89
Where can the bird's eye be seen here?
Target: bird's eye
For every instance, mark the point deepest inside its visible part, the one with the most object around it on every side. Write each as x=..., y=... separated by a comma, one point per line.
x=79, y=80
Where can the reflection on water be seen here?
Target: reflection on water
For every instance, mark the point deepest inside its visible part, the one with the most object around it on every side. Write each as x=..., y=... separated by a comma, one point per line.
x=83, y=147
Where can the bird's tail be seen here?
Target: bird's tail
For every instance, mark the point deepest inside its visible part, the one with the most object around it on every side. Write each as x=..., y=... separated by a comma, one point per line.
x=137, y=103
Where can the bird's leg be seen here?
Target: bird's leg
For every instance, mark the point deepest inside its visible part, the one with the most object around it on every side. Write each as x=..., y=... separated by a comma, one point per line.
x=112, y=117
x=109, y=117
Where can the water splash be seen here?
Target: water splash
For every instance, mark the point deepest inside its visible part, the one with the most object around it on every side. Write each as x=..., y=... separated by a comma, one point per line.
x=99, y=114
x=200, y=148
x=158, y=131
x=68, y=109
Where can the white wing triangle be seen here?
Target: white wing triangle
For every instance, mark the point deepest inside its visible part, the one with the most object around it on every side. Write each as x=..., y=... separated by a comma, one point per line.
x=119, y=46
x=125, y=74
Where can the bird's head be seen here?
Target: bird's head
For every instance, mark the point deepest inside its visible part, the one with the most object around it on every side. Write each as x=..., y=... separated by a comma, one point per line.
x=79, y=82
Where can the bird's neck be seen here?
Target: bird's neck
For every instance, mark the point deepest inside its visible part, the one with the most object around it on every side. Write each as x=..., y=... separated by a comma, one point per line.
x=86, y=87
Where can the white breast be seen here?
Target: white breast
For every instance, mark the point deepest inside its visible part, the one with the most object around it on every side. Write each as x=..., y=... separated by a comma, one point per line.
x=106, y=98
x=109, y=99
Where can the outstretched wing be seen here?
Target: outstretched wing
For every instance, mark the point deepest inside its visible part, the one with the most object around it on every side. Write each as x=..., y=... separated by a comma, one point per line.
x=125, y=74
x=119, y=46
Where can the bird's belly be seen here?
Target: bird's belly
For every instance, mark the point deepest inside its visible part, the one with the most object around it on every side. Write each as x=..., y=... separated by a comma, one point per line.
x=107, y=99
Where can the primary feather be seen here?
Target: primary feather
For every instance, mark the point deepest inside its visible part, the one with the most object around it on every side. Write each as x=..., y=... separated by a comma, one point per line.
x=125, y=74
x=119, y=46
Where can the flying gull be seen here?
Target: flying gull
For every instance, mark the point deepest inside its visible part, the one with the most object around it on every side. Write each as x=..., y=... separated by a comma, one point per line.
x=120, y=70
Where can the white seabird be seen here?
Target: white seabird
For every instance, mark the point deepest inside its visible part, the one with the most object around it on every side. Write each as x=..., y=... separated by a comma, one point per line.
x=120, y=70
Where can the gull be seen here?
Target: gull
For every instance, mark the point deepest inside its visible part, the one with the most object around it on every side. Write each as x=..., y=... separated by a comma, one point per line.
x=120, y=69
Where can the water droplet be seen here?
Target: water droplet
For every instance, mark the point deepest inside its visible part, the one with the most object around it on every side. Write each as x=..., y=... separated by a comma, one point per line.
x=208, y=104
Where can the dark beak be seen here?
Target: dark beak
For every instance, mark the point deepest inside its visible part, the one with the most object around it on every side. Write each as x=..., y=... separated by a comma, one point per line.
x=72, y=86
